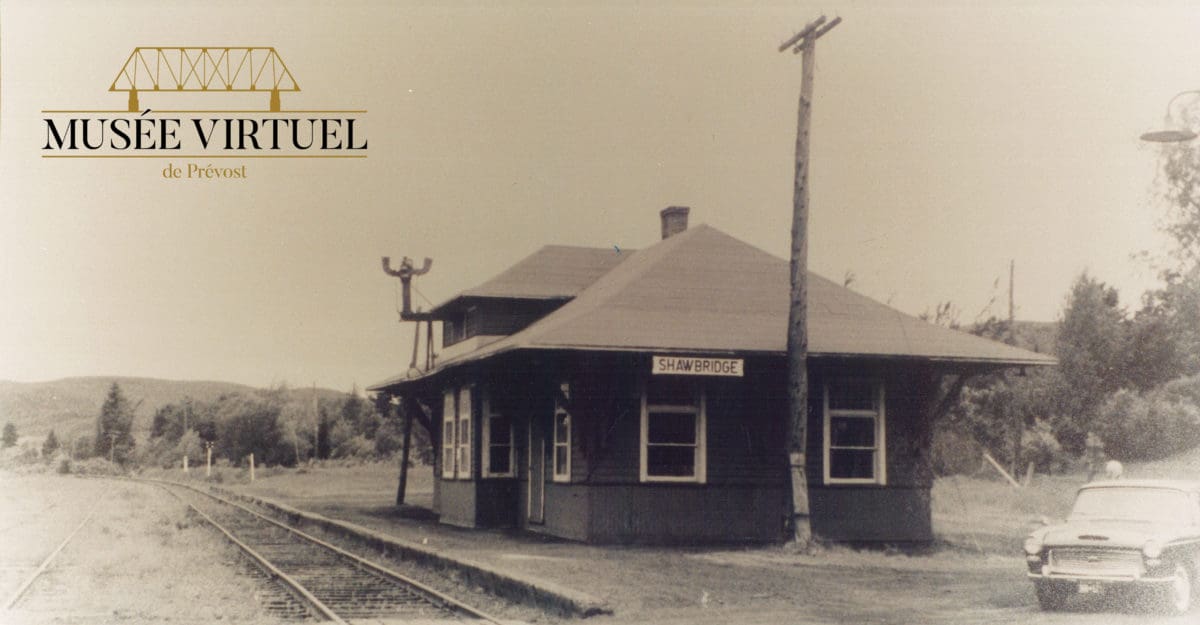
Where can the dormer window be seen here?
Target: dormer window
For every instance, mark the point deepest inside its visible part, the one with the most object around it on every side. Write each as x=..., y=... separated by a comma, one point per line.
x=453, y=330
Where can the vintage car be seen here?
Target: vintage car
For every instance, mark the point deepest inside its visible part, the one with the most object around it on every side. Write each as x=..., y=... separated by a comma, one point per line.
x=1138, y=537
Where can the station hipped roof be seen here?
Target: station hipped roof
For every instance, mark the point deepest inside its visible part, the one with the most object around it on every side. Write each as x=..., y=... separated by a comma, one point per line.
x=703, y=291
x=553, y=272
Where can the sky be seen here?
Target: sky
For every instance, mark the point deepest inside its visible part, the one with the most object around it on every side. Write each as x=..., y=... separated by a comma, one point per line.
x=948, y=140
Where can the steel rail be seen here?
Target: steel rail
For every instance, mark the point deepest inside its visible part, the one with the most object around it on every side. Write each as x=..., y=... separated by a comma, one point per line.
x=261, y=561
x=16, y=596
x=435, y=595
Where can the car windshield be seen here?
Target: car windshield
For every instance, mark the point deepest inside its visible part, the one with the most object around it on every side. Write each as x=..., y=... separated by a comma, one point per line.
x=1151, y=505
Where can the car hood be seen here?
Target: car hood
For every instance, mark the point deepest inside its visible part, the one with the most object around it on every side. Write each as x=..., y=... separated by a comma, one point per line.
x=1109, y=533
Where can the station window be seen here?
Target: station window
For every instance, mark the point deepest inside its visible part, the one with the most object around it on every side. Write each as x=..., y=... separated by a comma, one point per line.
x=464, y=434
x=854, y=431
x=497, y=444
x=449, y=419
x=673, y=426
x=562, y=436
x=456, y=434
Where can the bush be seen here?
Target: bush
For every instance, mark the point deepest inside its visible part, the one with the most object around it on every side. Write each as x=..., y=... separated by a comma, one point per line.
x=96, y=466
x=389, y=438
x=64, y=466
x=355, y=447
x=1152, y=425
x=9, y=438
x=954, y=453
x=1039, y=446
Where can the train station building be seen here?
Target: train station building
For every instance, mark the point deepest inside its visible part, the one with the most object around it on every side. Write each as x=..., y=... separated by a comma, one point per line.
x=640, y=396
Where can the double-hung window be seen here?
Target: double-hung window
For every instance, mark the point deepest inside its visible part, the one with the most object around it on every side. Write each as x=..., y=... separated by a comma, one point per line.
x=497, y=443
x=464, y=433
x=449, y=431
x=562, y=436
x=673, y=415
x=854, y=431
x=456, y=434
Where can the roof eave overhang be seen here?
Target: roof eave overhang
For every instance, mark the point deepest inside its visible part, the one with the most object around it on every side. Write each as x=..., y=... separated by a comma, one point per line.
x=983, y=364
x=463, y=299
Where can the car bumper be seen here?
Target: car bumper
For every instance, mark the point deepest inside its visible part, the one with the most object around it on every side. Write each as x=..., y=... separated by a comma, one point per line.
x=1098, y=579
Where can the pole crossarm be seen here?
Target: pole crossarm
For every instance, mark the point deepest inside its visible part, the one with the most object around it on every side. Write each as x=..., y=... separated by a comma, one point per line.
x=216, y=68
x=810, y=33
x=806, y=31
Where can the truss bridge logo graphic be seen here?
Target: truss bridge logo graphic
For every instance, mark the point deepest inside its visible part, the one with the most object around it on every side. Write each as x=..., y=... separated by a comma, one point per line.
x=173, y=95
x=206, y=70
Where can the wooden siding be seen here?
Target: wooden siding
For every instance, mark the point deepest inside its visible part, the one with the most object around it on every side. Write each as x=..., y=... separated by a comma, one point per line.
x=890, y=515
x=495, y=502
x=510, y=316
x=686, y=514
x=458, y=503
x=478, y=317
x=745, y=422
x=745, y=495
x=567, y=511
x=898, y=511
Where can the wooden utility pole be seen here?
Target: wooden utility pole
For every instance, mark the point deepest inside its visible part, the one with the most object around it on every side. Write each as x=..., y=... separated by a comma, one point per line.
x=1018, y=426
x=803, y=43
x=1012, y=314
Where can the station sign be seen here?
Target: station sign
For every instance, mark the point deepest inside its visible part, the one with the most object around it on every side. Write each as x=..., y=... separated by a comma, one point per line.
x=691, y=365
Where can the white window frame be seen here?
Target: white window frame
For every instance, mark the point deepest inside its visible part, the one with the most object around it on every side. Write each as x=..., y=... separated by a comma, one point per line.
x=463, y=447
x=564, y=447
x=485, y=443
x=880, y=447
x=699, y=408
x=449, y=446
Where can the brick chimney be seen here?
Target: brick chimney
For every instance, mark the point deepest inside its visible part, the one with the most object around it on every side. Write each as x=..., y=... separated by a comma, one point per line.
x=674, y=220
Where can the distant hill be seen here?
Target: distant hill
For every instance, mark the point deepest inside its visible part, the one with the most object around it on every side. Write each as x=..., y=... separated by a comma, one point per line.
x=70, y=405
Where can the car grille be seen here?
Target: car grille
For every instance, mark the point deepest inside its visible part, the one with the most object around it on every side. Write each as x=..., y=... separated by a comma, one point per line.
x=1082, y=561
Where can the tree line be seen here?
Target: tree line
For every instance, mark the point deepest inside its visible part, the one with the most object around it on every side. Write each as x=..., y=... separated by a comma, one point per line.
x=278, y=426
x=1128, y=379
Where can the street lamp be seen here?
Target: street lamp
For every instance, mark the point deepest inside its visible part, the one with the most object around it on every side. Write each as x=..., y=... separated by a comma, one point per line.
x=1171, y=135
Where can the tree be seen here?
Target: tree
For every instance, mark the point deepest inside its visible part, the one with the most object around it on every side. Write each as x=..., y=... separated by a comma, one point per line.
x=1176, y=306
x=1180, y=187
x=84, y=447
x=1090, y=349
x=172, y=421
x=1174, y=313
x=191, y=446
x=9, y=438
x=249, y=424
x=114, y=427
x=51, y=444
x=360, y=414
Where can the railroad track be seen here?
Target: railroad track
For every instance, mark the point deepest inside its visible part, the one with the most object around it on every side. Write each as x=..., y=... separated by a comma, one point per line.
x=320, y=580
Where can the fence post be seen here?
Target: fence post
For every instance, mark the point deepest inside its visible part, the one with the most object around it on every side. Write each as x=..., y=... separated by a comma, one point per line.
x=251, y=467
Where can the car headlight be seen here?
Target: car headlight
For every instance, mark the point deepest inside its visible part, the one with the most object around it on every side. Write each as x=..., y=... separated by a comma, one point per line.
x=1033, y=545
x=1152, y=549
